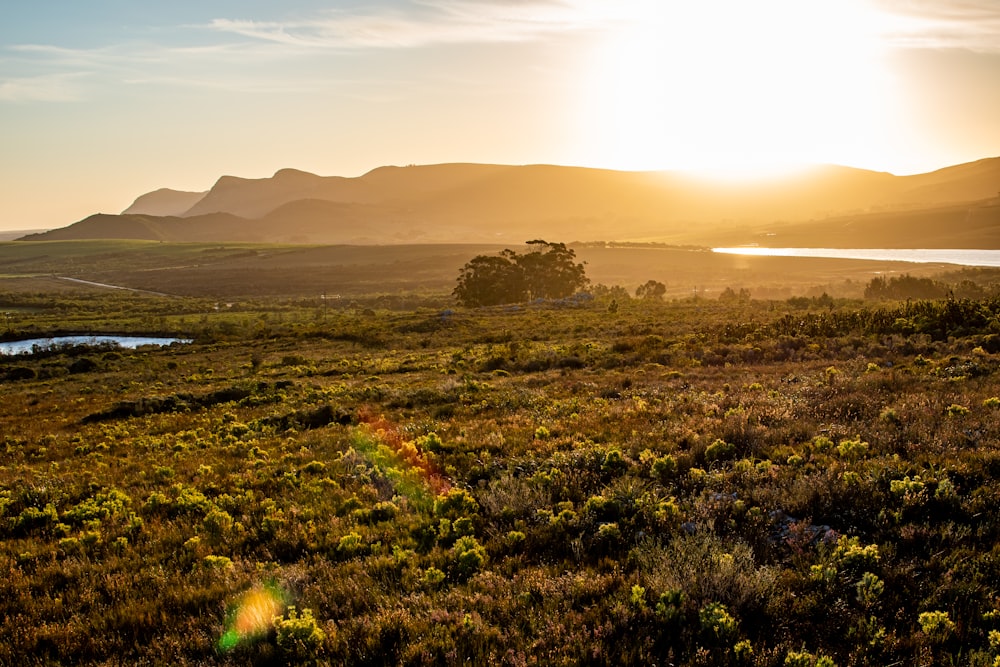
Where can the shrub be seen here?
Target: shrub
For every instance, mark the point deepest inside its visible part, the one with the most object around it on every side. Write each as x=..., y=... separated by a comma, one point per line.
x=937, y=625
x=716, y=621
x=218, y=523
x=638, y=597
x=468, y=556
x=670, y=606
x=850, y=554
x=664, y=467
x=869, y=589
x=852, y=450
x=351, y=545
x=719, y=450
x=217, y=562
x=806, y=659
x=432, y=577
x=614, y=462
x=455, y=503
x=299, y=637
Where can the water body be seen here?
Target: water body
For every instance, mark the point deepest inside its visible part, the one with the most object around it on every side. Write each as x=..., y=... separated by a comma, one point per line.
x=963, y=257
x=128, y=342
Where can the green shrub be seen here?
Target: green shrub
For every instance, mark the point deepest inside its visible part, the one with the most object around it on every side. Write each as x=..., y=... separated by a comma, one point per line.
x=852, y=450
x=719, y=450
x=664, y=467
x=299, y=637
x=455, y=503
x=468, y=556
x=937, y=625
x=716, y=621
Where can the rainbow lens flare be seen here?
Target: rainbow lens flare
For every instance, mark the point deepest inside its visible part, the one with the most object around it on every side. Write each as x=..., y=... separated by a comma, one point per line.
x=253, y=616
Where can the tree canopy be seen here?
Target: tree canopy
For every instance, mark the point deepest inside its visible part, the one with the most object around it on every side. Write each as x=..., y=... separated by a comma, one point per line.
x=545, y=271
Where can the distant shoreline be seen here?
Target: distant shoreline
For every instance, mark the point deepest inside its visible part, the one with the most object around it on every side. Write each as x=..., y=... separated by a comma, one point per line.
x=959, y=256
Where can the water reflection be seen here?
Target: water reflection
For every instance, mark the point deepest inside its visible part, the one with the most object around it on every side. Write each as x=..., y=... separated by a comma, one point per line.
x=963, y=257
x=128, y=342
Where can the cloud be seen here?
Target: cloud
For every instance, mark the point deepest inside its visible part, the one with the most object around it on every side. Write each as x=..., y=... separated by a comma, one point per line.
x=931, y=24
x=63, y=87
x=424, y=23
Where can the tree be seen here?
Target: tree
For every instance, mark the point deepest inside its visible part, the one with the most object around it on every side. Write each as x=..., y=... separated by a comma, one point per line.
x=652, y=290
x=488, y=281
x=547, y=271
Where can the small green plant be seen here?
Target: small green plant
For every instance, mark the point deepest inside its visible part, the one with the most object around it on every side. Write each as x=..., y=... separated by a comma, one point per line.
x=906, y=486
x=213, y=562
x=299, y=637
x=852, y=450
x=433, y=577
x=664, y=467
x=743, y=651
x=638, y=597
x=936, y=625
x=807, y=659
x=869, y=589
x=719, y=450
x=669, y=608
x=468, y=556
x=351, y=545
x=716, y=621
x=955, y=410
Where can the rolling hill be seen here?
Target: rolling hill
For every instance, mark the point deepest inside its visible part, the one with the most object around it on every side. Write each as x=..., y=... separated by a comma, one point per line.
x=497, y=203
x=164, y=202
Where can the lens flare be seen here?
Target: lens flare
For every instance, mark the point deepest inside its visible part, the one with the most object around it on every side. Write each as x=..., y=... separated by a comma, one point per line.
x=253, y=616
x=407, y=453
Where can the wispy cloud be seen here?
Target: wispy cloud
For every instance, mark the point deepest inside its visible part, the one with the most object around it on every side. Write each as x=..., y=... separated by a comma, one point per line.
x=964, y=24
x=64, y=87
x=424, y=23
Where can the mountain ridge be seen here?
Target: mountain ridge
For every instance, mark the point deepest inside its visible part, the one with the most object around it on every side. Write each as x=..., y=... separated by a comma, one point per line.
x=471, y=202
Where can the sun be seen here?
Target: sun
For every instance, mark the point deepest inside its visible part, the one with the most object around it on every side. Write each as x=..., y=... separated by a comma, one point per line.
x=737, y=87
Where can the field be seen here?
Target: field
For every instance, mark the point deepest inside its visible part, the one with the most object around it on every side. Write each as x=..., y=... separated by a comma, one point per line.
x=391, y=479
x=245, y=271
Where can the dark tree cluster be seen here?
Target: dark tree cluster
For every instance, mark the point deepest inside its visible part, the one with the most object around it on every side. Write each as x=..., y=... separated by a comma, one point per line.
x=905, y=287
x=652, y=290
x=545, y=271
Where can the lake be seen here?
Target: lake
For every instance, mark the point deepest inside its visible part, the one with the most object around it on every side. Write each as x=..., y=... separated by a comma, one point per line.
x=963, y=257
x=128, y=342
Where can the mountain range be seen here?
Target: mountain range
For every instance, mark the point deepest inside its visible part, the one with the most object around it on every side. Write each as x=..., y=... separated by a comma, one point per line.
x=823, y=205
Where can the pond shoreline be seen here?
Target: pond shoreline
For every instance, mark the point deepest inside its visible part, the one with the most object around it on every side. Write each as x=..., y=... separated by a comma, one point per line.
x=28, y=346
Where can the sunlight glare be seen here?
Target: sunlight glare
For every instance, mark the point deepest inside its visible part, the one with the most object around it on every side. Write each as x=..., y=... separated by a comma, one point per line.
x=737, y=87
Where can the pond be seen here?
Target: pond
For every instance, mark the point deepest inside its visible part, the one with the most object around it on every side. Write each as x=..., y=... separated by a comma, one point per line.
x=961, y=256
x=128, y=342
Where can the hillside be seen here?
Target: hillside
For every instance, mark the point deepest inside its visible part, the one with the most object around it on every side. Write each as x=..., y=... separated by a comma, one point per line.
x=164, y=202
x=494, y=203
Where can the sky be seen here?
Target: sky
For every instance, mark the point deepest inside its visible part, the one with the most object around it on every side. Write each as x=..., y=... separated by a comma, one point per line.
x=104, y=100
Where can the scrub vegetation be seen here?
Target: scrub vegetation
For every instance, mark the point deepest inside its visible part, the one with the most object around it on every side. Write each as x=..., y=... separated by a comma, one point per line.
x=810, y=481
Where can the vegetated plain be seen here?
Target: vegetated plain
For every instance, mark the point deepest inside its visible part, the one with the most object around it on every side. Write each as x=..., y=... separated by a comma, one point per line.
x=401, y=272
x=374, y=481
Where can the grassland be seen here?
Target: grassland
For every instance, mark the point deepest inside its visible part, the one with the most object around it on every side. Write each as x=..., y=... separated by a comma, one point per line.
x=237, y=271
x=695, y=482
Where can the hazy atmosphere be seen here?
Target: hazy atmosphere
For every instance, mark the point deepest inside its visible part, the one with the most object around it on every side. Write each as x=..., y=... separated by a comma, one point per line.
x=500, y=332
x=103, y=101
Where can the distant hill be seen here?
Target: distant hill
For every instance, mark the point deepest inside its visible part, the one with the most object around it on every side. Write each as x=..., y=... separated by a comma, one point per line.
x=164, y=202
x=497, y=203
x=972, y=225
